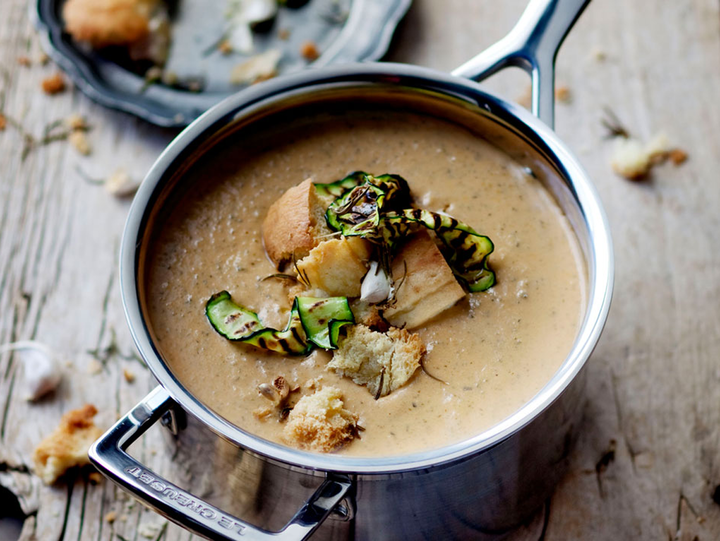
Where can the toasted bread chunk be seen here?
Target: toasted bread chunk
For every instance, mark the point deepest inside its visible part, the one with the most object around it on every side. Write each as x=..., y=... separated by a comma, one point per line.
x=294, y=224
x=68, y=445
x=108, y=22
x=429, y=286
x=369, y=315
x=319, y=422
x=337, y=266
x=382, y=362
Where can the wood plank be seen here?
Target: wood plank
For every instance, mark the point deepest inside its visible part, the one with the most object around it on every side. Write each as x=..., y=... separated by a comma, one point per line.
x=653, y=381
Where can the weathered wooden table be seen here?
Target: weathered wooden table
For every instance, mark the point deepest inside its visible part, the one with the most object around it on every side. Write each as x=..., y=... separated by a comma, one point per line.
x=648, y=462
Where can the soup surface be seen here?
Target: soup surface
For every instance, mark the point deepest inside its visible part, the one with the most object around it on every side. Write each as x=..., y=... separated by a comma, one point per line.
x=494, y=350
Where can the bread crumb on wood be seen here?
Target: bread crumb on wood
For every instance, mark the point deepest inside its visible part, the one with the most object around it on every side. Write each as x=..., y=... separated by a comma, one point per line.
x=94, y=367
x=42, y=59
x=79, y=140
x=53, y=84
x=319, y=422
x=76, y=122
x=128, y=375
x=95, y=478
x=110, y=517
x=68, y=445
x=678, y=156
x=563, y=94
x=24, y=61
x=383, y=362
x=633, y=159
x=3, y=122
x=309, y=51
x=120, y=184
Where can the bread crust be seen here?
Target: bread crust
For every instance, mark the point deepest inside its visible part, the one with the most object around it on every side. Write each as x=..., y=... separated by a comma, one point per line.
x=68, y=445
x=103, y=23
x=319, y=422
x=294, y=224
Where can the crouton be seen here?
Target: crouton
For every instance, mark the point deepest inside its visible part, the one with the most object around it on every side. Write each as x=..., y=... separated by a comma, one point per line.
x=429, y=286
x=68, y=445
x=319, y=422
x=382, y=362
x=336, y=266
x=108, y=22
x=369, y=315
x=295, y=224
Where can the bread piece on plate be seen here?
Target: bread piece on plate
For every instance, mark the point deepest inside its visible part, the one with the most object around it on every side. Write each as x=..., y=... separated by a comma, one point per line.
x=337, y=266
x=319, y=422
x=295, y=224
x=383, y=362
x=140, y=25
x=429, y=286
x=68, y=445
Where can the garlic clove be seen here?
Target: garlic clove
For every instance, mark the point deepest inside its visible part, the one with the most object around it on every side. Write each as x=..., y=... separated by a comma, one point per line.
x=376, y=285
x=41, y=369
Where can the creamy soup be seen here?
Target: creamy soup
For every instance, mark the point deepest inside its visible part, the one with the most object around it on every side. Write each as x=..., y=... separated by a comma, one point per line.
x=493, y=351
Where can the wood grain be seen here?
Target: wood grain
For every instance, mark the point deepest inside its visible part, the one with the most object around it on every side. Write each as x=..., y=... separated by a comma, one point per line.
x=646, y=465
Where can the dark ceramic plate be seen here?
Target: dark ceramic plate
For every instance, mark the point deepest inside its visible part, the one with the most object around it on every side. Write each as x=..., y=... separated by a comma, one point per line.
x=344, y=31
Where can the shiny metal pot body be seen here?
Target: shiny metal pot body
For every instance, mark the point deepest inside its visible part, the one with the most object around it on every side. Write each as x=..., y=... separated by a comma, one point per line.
x=476, y=488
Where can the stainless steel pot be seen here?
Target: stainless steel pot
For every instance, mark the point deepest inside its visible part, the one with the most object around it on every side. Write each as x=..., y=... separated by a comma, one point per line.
x=477, y=488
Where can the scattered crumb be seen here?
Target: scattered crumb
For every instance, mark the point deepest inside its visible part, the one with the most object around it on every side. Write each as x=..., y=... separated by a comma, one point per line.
x=53, y=84
x=94, y=367
x=320, y=422
x=128, y=375
x=259, y=67
x=123, y=518
x=120, y=184
x=76, y=122
x=68, y=445
x=598, y=55
x=3, y=122
x=95, y=478
x=23, y=61
x=284, y=34
x=677, y=156
x=309, y=51
x=225, y=47
x=42, y=59
x=110, y=517
x=563, y=94
x=151, y=530
x=633, y=159
x=79, y=140
x=525, y=99
x=644, y=460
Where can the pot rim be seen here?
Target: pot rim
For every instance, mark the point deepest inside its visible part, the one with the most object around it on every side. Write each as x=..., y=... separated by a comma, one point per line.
x=600, y=262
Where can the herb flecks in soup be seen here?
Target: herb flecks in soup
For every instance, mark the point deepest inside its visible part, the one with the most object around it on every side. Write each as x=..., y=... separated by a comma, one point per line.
x=427, y=362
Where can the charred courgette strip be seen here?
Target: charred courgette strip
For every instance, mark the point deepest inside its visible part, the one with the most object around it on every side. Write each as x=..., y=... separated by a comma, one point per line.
x=357, y=211
x=312, y=321
x=322, y=319
x=239, y=324
x=342, y=186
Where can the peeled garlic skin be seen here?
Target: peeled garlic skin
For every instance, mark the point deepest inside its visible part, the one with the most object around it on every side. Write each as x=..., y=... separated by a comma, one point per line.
x=41, y=370
x=376, y=285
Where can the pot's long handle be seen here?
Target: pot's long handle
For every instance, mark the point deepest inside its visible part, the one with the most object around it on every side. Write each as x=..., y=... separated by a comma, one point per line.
x=531, y=45
x=110, y=456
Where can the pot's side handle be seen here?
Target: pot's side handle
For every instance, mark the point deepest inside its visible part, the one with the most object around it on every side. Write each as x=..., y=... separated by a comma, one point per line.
x=110, y=457
x=531, y=45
